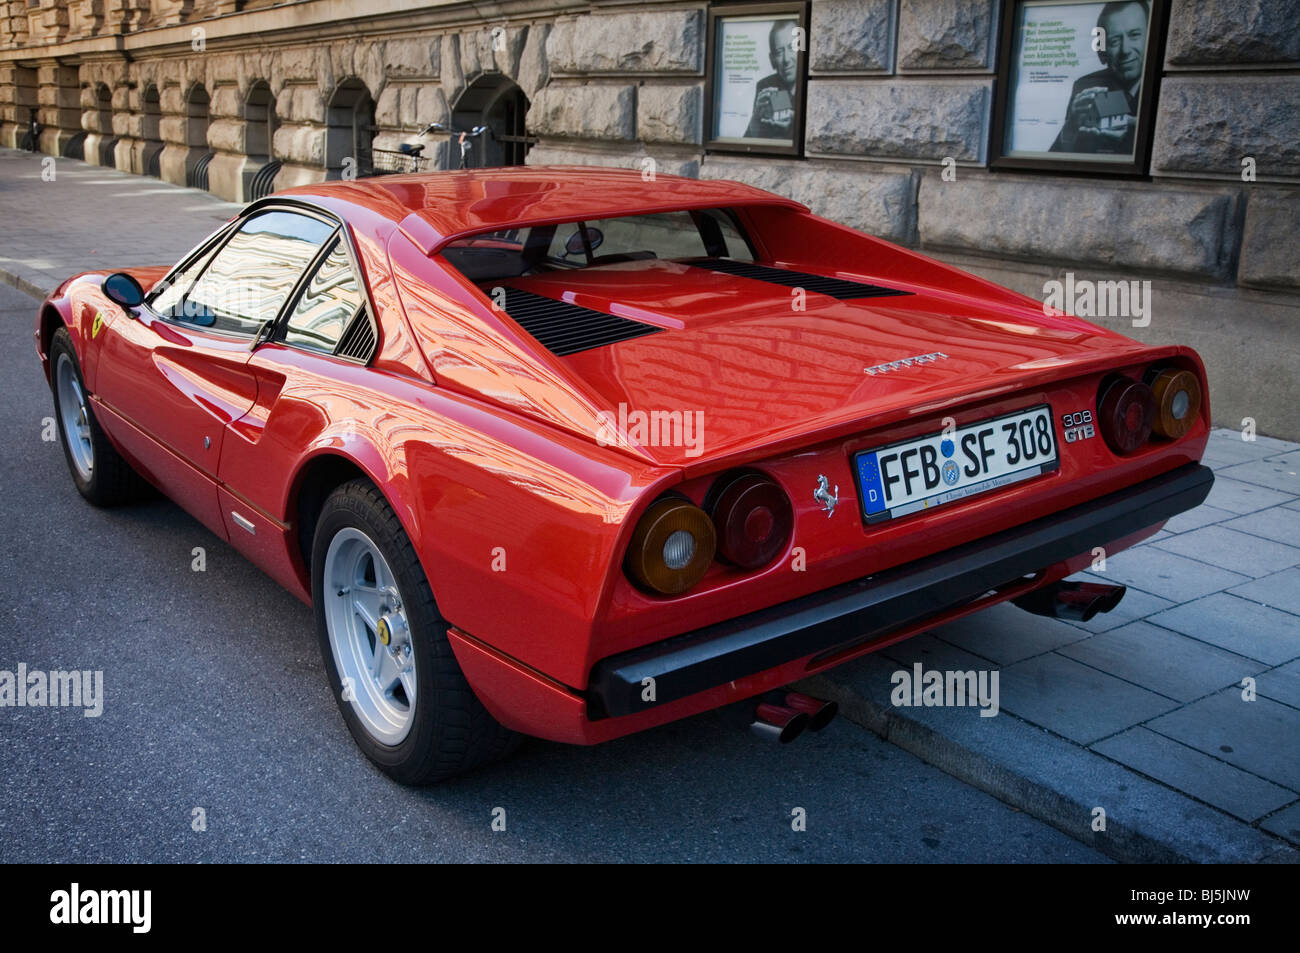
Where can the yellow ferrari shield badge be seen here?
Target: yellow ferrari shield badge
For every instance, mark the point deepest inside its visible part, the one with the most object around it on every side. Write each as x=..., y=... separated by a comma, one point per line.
x=99, y=323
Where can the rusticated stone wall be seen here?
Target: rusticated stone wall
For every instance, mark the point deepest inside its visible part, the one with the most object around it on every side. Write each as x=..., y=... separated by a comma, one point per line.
x=899, y=98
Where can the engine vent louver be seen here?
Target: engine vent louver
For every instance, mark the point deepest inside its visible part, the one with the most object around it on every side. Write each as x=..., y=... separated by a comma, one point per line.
x=564, y=328
x=358, y=341
x=832, y=287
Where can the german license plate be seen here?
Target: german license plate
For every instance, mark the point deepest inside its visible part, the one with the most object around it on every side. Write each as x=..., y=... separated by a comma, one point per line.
x=918, y=474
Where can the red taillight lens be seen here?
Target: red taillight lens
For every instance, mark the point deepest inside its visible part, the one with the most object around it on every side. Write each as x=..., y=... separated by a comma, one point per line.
x=1178, y=401
x=754, y=520
x=672, y=547
x=1127, y=410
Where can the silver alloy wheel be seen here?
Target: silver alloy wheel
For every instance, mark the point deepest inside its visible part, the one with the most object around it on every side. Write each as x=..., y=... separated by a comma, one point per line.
x=369, y=635
x=74, y=418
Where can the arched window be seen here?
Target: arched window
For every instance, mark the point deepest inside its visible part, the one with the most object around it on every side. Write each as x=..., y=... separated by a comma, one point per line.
x=261, y=122
x=151, y=131
x=493, y=100
x=350, y=122
x=196, y=137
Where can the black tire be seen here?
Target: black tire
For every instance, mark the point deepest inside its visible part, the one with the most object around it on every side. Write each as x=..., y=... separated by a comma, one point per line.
x=451, y=732
x=111, y=481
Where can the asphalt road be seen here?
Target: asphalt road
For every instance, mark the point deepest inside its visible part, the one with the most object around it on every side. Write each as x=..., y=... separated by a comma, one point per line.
x=215, y=698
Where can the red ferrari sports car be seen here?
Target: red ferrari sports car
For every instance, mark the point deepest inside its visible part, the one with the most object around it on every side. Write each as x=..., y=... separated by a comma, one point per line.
x=567, y=453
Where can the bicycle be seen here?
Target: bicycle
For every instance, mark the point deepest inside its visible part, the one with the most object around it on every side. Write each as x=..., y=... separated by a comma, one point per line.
x=463, y=138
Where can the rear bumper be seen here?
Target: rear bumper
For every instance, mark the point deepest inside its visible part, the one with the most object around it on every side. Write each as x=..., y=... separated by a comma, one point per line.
x=834, y=619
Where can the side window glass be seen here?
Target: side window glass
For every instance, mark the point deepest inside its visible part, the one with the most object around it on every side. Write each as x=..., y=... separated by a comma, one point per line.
x=327, y=304
x=251, y=277
x=167, y=295
x=734, y=245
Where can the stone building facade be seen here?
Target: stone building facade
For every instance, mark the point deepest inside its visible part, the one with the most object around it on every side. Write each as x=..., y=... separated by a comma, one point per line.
x=899, y=104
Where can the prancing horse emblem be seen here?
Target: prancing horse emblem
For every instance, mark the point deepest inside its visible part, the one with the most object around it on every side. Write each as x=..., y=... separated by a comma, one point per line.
x=824, y=495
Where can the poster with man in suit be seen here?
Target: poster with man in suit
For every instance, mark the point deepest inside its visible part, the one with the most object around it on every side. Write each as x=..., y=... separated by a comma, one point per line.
x=1059, y=102
x=755, y=80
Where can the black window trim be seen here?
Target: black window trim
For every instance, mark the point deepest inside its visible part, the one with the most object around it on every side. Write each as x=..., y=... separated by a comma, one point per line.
x=213, y=244
x=281, y=326
x=695, y=212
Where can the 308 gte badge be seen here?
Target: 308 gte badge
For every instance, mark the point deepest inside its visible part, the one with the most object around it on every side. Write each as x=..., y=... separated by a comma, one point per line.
x=395, y=395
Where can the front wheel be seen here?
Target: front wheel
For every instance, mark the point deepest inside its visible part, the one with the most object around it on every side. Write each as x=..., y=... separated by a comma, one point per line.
x=385, y=647
x=98, y=470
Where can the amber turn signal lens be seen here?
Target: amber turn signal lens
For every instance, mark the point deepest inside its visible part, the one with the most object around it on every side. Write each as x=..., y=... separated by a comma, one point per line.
x=1127, y=411
x=672, y=547
x=1178, y=401
x=754, y=520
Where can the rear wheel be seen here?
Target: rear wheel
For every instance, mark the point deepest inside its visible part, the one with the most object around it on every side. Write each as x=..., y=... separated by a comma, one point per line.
x=98, y=470
x=385, y=647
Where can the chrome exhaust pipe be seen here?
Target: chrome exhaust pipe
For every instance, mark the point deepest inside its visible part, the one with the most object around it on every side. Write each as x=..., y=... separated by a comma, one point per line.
x=819, y=711
x=1077, y=601
x=778, y=723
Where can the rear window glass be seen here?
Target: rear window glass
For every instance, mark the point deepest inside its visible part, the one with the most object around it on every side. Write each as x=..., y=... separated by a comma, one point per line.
x=511, y=253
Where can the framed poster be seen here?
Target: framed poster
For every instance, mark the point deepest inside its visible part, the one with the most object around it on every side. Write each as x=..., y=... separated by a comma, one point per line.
x=1077, y=85
x=755, y=78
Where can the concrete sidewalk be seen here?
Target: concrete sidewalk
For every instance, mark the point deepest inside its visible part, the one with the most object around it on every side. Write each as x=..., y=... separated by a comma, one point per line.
x=1178, y=713
x=1141, y=713
x=88, y=217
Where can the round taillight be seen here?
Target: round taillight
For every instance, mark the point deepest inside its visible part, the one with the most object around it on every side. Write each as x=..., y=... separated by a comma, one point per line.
x=754, y=520
x=672, y=547
x=1178, y=401
x=1127, y=412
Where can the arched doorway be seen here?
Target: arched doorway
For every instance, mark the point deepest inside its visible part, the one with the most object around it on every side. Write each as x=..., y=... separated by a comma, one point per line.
x=105, y=141
x=495, y=101
x=350, y=131
x=199, y=155
x=151, y=131
x=260, y=122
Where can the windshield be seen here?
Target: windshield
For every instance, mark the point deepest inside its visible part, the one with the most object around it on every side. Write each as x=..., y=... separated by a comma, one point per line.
x=511, y=253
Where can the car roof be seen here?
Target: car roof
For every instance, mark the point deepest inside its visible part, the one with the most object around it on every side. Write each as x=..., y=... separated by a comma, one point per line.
x=433, y=208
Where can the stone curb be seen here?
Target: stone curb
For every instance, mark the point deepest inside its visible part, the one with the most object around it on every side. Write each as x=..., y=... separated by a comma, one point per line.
x=23, y=285
x=1051, y=779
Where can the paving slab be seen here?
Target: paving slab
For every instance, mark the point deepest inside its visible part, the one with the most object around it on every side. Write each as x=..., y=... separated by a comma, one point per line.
x=1233, y=550
x=1167, y=574
x=1238, y=625
x=1259, y=736
x=1285, y=823
x=1227, y=447
x=1272, y=472
x=1241, y=497
x=1075, y=700
x=1161, y=661
x=1213, y=781
x=1203, y=515
x=1282, y=684
x=1280, y=590
x=1278, y=523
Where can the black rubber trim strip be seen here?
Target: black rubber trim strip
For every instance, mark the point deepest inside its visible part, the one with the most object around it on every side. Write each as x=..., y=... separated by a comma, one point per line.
x=865, y=608
x=820, y=284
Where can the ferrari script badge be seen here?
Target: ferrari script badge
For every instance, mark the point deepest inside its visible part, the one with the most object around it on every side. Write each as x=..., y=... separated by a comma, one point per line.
x=930, y=358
